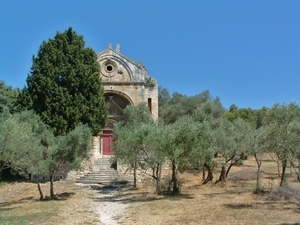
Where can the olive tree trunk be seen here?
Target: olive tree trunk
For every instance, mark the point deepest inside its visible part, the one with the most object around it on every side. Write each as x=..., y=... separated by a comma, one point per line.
x=39, y=187
x=174, y=178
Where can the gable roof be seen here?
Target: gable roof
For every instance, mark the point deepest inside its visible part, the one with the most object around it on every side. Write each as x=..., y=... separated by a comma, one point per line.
x=110, y=51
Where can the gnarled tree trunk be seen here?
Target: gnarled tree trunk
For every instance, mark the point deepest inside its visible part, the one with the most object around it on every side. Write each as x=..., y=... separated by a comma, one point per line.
x=51, y=184
x=39, y=187
x=258, y=177
x=210, y=175
x=174, y=178
x=295, y=169
x=283, y=178
x=222, y=177
x=134, y=174
x=158, y=178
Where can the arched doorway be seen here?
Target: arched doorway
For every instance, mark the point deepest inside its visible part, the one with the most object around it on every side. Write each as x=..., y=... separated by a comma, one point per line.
x=117, y=102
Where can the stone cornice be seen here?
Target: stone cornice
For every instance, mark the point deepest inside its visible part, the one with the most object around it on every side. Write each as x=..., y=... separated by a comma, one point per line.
x=123, y=83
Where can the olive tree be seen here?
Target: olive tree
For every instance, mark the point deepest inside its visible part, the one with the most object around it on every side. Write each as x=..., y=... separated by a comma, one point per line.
x=131, y=136
x=283, y=131
x=185, y=144
x=70, y=149
x=230, y=142
x=24, y=139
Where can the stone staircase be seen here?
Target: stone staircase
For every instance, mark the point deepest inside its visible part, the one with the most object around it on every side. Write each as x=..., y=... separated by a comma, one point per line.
x=104, y=173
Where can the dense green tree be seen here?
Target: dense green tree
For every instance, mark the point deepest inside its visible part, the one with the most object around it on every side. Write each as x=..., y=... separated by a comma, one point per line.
x=163, y=96
x=208, y=111
x=64, y=85
x=8, y=97
x=178, y=105
x=246, y=114
x=259, y=114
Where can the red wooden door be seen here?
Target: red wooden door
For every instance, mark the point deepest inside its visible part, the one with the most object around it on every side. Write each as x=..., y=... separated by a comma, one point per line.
x=107, y=140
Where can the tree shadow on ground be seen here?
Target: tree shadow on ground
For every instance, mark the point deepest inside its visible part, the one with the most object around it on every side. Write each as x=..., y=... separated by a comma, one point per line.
x=238, y=206
x=5, y=206
x=290, y=224
x=126, y=194
x=264, y=205
x=60, y=197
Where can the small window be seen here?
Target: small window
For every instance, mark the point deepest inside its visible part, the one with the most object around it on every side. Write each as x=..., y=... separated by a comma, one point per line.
x=150, y=104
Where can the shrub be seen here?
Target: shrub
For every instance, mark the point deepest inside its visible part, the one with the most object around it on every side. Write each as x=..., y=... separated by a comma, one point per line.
x=285, y=192
x=167, y=185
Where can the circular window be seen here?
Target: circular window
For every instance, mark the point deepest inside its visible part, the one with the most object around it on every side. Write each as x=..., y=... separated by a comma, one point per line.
x=109, y=68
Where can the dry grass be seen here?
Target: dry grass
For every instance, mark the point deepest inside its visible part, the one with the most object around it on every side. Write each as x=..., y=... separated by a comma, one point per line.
x=20, y=204
x=231, y=203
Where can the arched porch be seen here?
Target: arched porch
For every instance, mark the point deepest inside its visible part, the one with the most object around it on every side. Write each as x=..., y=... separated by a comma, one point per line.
x=117, y=102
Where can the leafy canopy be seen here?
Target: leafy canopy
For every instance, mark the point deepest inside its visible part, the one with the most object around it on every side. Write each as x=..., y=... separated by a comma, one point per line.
x=64, y=86
x=7, y=97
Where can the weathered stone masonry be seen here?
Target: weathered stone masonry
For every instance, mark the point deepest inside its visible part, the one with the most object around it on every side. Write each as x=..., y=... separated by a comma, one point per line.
x=125, y=82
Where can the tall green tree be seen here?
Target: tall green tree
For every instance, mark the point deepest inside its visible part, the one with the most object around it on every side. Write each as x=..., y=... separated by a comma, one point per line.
x=64, y=85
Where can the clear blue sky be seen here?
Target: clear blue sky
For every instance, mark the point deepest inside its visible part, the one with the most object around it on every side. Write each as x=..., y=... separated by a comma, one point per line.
x=245, y=52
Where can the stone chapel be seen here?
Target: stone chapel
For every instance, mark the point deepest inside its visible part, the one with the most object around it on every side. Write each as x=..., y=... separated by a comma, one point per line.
x=126, y=82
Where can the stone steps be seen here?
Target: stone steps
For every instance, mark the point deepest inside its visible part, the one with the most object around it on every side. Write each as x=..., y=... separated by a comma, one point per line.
x=104, y=172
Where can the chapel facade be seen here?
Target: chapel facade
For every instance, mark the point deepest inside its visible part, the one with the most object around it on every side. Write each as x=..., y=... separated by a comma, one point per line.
x=126, y=82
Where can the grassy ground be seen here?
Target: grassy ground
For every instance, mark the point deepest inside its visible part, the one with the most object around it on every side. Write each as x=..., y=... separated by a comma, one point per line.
x=20, y=204
x=231, y=203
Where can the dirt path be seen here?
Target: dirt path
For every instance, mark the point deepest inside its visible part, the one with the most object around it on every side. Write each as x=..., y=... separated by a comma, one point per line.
x=108, y=204
x=73, y=204
x=109, y=211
